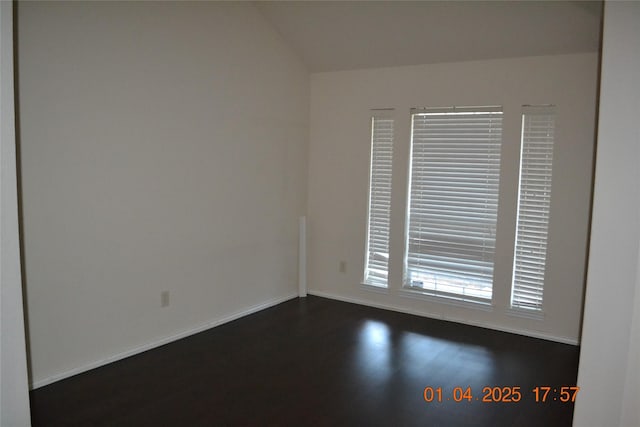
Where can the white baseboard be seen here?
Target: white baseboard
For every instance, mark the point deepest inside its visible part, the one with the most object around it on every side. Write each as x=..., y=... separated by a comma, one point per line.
x=532, y=334
x=270, y=303
x=166, y=340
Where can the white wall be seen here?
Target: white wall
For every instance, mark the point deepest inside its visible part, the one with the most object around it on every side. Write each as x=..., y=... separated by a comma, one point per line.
x=14, y=397
x=630, y=414
x=338, y=177
x=610, y=356
x=163, y=148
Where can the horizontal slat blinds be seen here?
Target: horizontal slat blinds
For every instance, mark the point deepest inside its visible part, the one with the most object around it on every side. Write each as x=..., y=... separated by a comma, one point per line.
x=453, y=201
x=377, y=253
x=534, y=202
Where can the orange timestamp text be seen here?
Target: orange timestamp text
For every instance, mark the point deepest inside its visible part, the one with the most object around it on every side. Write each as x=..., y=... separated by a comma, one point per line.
x=497, y=394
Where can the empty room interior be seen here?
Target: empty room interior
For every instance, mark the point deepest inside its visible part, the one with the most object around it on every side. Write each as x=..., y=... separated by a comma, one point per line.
x=320, y=213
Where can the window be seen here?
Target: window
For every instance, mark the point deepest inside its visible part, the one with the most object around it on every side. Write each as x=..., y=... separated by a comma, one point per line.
x=377, y=251
x=534, y=202
x=453, y=202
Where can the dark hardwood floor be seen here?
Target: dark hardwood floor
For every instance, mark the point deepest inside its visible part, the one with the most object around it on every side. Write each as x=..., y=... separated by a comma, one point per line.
x=318, y=362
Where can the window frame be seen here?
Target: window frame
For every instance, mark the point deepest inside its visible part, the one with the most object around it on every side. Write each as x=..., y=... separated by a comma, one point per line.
x=433, y=292
x=375, y=146
x=529, y=298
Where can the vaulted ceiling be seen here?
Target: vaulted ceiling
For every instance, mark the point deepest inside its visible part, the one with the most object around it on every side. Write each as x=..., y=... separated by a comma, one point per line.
x=343, y=35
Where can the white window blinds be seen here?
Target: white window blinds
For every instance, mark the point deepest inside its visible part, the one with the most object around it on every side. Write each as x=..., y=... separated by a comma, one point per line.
x=453, y=201
x=534, y=202
x=377, y=251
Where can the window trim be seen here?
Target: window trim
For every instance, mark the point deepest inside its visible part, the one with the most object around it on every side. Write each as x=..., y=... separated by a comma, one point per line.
x=386, y=114
x=535, y=311
x=432, y=294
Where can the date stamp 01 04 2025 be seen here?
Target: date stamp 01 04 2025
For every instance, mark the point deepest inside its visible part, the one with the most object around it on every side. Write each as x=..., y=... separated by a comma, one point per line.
x=510, y=394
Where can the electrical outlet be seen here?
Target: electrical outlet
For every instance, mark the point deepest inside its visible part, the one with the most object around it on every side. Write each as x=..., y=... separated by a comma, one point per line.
x=343, y=267
x=164, y=299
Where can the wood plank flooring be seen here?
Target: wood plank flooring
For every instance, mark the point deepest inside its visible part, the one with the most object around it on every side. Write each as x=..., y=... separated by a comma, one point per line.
x=319, y=362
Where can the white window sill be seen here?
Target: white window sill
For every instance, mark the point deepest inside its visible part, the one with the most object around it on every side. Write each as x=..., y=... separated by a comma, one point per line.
x=526, y=314
x=425, y=296
x=373, y=288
